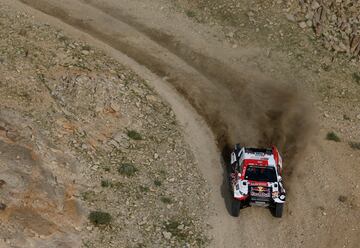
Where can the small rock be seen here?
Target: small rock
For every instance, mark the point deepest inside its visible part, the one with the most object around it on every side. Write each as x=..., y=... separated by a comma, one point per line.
x=116, y=107
x=11, y=134
x=2, y=182
x=152, y=98
x=85, y=52
x=167, y=235
x=180, y=227
x=156, y=156
x=2, y=206
x=358, y=117
x=290, y=17
x=122, y=139
x=114, y=143
x=230, y=35
x=309, y=15
x=302, y=24
x=315, y=5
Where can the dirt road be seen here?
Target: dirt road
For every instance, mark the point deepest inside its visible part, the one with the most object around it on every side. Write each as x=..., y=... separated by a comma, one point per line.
x=204, y=81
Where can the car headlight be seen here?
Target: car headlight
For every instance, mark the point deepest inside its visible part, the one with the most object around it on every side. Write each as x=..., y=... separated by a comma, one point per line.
x=282, y=197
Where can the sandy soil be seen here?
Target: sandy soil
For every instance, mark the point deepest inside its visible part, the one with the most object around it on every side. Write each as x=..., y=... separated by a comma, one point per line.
x=187, y=64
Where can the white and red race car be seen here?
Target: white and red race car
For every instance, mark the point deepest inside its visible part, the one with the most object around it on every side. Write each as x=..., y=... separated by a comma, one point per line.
x=255, y=179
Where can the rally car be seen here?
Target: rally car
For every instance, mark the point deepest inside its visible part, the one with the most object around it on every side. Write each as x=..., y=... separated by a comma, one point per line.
x=255, y=179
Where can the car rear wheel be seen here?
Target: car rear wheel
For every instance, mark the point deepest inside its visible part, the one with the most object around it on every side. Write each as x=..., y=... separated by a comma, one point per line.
x=279, y=209
x=235, y=208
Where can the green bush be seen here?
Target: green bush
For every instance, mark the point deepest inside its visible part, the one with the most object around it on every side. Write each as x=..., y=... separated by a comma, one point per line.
x=332, y=136
x=106, y=183
x=99, y=218
x=132, y=134
x=127, y=169
x=157, y=183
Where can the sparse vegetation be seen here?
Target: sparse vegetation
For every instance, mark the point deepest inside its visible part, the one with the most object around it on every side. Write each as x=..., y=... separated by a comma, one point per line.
x=157, y=183
x=165, y=200
x=127, y=169
x=172, y=226
x=332, y=136
x=190, y=13
x=355, y=145
x=356, y=77
x=144, y=188
x=342, y=198
x=132, y=134
x=106, y=183
x=99, y=218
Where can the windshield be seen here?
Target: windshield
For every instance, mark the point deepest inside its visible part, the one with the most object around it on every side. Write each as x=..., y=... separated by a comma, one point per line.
x=260, y=173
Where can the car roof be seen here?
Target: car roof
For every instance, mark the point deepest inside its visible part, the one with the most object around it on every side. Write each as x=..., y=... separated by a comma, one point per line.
x=259, y=157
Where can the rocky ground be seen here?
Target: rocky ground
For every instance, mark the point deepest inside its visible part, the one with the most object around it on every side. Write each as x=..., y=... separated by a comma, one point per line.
x=292, y=31
x=335, y=23
x=79, y=133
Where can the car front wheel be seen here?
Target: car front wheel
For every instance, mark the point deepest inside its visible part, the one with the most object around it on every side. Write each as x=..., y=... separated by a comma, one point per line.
x=235, y=208
x=279, y=209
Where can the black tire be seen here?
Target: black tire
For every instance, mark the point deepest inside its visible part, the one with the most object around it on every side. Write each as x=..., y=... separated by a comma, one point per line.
x=235, y=207
x=278, y=210
x=230, y=186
